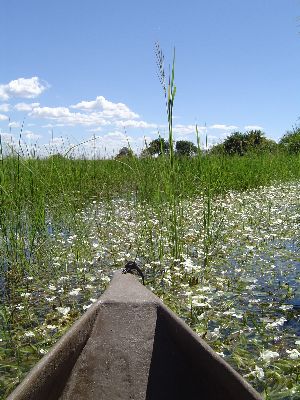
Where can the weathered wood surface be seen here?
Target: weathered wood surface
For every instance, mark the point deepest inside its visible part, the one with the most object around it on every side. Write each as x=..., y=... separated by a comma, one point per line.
x=129, y=345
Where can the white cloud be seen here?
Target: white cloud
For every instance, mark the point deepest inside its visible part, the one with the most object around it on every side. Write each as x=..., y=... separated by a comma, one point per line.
x=14, y=124
x=117, y=135
x=57, y=141
x=253, y=128
x=31, y=136
x=106, y=108
x=224, y=127
x=187, y=129
x=25, y=106
x=135, y=124
x=96, y=129
x=4, y=107
x=3, y=117
x=64, y=116
x=49, y=126
x=23, y=87
x=51, y=112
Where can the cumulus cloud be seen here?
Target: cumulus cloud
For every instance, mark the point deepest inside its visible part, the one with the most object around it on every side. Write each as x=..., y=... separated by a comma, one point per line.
x=27, y=88
x=64, y=116
x=224, y=127
x=3, y=117
x=187, y=129
x=57, y=141
x=135, y=124
x=4, y=107
x=99, y=129
x=253, y=128
x=106, y=108
x=14, y=124
x=26, y=106
x=31, y=136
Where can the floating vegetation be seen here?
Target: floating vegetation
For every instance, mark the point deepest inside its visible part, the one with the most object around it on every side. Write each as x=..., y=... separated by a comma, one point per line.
x=235, y=280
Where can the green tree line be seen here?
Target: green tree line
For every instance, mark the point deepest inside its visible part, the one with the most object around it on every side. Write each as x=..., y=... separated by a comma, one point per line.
x=237, y=143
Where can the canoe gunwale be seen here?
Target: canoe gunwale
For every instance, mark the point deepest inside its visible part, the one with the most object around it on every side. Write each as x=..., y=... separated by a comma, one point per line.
x=127, y=298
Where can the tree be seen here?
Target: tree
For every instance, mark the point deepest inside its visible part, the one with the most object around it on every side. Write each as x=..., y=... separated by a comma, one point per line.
x=290, y=142
x=125, y=152
x=235, y=144
x=185, y=148
x=157, y=146
x=254, y=138
x=251, y=141
x=217, y=149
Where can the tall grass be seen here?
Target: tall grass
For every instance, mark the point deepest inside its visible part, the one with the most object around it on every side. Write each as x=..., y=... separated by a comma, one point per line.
x=35, y=193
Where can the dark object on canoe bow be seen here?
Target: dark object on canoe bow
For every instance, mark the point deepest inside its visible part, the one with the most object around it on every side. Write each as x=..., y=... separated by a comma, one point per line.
x=129, y=345
x=131, y=266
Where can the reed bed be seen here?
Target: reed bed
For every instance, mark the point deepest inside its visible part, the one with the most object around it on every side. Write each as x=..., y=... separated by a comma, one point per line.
x=230, y=268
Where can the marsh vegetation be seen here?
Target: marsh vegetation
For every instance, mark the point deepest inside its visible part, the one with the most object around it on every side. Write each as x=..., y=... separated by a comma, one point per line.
x=216, y=234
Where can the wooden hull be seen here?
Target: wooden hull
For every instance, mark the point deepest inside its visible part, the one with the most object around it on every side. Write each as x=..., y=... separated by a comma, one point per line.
x=129, y=345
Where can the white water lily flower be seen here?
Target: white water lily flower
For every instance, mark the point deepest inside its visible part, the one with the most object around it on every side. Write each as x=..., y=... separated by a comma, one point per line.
x=52, y=327
x=275, y=324
x=293, y=354
x=26, y=295
x=214, y=334
x=258, y=373
x=88, y=286
x=75, y=292
x=233, y=314
x=43, y=351
x=29, y=334
x=189, y=265
x=50, y=299
x=196, y=303
x=285, y=307
x=206, y=289
x=268, y=355
x=63, y=278
x=64, y=310
x=297, y=342
x=52, y=287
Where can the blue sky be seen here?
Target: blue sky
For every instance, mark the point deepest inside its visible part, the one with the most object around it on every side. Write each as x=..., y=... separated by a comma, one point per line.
x=72, y=70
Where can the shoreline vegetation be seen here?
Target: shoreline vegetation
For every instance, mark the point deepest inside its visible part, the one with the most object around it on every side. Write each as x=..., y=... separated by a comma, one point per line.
x=215, y=232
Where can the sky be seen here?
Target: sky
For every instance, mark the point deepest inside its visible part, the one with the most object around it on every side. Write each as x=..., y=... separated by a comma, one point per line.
x=81, y=76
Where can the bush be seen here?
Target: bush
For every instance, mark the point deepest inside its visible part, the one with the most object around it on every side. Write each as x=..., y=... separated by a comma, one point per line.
x=290, y=142
x=185, y=148
x=156, y=147
x=124, y=152
x=251, y=141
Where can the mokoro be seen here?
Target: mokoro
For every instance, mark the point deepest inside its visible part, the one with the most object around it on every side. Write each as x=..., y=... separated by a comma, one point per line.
x=129, y=345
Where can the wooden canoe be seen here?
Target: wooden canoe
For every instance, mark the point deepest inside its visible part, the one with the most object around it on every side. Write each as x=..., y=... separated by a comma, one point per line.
x=129, y=345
